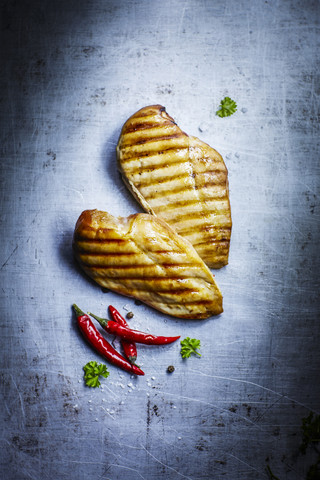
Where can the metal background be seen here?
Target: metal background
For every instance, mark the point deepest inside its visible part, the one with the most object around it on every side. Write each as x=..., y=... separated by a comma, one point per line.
x=71, y=73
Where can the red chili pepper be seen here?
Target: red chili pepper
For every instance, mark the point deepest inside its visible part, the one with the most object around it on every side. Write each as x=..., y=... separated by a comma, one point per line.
x=132, y=335
x=129, y=348
x=100, y=344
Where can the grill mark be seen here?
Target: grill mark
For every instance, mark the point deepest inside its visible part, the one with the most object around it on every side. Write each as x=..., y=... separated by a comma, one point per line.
x=154, y=167
x=149, y=278
x=198, y=302
x=136, y=156
x=155, y=181
x=162, y=193
x=214, y=254
x=170, y=252
x=222, y=241
x=207, y=230
x=191, y=216
x=181, y=189
x=154, y=146
x=176, y=205
x=216, y=171
x=115, y=267
x=120, y=285
x=144, y=141
x=140, y=266
x=177, y=216
x=208, y=227
x=216, y=182
x=149, y=182
x=80, y=238
x=179, y=291
x=137, y=127
x=83, y=251
x=217, y=247
x=211, y=218
x=200, y=228
x=172, y=292
x=93, y=230
x=163, y=209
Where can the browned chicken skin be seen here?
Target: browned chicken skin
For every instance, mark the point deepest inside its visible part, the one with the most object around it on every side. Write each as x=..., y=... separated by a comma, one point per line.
x=142, y=257
x=178, y=178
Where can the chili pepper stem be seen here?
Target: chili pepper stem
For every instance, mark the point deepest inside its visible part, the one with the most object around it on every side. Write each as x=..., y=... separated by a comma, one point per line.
x=103, y=322
x=78, y=310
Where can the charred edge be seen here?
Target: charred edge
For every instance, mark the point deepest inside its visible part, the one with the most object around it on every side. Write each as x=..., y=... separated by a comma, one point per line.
x=164, y=114
x=147, y=111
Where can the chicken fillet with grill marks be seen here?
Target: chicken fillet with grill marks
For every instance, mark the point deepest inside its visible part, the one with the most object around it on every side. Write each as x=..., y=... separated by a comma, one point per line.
x=143, y=257
x=178, y=178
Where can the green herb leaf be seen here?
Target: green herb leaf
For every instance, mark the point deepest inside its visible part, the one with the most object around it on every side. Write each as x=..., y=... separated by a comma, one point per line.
x=271, y=475
x=310, y=431
x=314, y=471
x=227, y=107
x=188, y=346
x=92, y=371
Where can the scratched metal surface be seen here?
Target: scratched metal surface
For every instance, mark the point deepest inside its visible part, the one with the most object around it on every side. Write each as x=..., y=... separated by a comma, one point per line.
x=72, y=72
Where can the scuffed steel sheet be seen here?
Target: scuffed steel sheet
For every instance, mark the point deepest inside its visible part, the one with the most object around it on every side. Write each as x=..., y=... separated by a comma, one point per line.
x=72, y=73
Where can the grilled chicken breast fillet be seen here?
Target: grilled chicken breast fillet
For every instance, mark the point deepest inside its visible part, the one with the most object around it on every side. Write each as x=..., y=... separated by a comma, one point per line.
x=178, y=178
x=142, y=257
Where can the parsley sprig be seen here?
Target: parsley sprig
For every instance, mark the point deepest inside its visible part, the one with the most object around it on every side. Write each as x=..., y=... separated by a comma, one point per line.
x=92, y=372
x=310, y=438
x=188, y=346
x=310, y=431
x=227, y=107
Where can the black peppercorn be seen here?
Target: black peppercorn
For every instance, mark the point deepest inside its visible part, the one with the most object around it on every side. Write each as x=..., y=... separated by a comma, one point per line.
x=170, y=369
x=129, y=315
